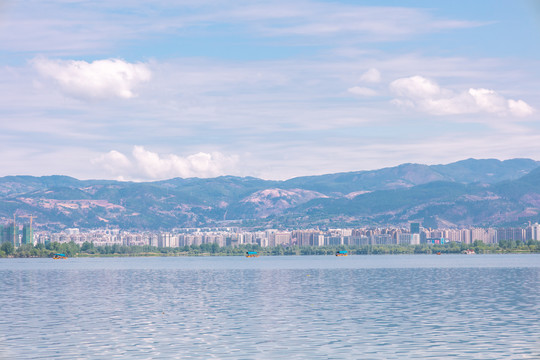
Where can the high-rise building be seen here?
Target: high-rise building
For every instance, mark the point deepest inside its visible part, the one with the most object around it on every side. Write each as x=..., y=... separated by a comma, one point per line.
x=282, y=238
x=383, y=239
x=11, y=234
x=415, y=228
x=27, y=235
x=405, y=239
x=487, y=236
x=533, y=232
x=465, y=236
x=359, y=240
x=516, y=234
x=166, y=239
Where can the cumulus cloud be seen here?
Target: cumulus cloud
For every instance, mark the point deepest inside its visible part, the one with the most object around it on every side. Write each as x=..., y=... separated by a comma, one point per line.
x=98, y=79
x=113, y=161
x=520, y=107
x=371, y=76
x=143, y=164
x=427, y=96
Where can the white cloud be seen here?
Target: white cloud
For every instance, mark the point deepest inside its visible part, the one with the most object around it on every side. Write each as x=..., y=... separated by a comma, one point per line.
x=362, y=91
x=83, y=28
x=371, y=76
x=520, y=108
x=488, y=101
x=415, y=87
x=427, y=96
x=366, y=23
x=98, y=79
x=113, y=161
x=147, y=165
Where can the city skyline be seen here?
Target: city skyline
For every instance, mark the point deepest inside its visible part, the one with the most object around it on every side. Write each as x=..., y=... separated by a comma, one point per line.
x=234, y=236
x=139, y=91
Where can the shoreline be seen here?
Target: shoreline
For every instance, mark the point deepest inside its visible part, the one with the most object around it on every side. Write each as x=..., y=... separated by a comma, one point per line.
x=145, y=255
x=71, y=249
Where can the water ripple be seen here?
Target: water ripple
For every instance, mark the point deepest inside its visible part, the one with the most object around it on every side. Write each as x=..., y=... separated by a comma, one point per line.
x=378, y=307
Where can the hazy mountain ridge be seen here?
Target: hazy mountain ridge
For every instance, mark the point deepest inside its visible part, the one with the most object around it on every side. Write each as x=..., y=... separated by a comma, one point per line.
x=468, y=192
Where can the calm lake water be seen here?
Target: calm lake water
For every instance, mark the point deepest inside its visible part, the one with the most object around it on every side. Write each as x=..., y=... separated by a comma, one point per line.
x=301, y=307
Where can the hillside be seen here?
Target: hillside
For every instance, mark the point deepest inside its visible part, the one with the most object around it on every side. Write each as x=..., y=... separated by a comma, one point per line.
x=464, y=193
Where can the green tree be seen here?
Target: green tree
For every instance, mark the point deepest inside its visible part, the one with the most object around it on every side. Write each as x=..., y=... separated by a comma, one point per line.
x=7, y=248
x=87, y=246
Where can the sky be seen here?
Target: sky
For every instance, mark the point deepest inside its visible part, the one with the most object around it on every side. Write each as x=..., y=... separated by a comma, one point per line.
x=149, y=90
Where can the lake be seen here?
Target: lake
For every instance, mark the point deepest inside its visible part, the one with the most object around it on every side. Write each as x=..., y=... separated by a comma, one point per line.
x=294, y=307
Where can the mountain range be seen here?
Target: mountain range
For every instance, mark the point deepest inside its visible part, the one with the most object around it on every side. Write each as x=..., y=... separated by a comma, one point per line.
x=470, y=192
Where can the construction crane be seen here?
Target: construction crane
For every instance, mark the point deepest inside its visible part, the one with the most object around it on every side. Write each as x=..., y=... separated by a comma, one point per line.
x=14, y=232
x=26, y=216
x=32, y=217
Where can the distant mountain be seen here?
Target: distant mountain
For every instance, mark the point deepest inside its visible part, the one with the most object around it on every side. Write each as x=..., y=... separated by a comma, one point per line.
x=488, y=171
x=468, y=192
x=405, y=175
x=468, y=171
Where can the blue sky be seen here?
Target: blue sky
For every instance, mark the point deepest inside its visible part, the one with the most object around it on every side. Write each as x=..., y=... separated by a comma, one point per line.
x=139, y=90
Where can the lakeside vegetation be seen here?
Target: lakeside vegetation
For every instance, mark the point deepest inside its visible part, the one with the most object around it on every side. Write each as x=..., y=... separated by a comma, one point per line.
x=87, y=249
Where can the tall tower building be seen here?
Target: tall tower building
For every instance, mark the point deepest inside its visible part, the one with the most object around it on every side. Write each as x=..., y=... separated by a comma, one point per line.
x=27, y=234
x=415, y=228
x=11, y=234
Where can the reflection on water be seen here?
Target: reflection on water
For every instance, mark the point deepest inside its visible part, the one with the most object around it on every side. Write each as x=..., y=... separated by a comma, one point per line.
x=368, y=307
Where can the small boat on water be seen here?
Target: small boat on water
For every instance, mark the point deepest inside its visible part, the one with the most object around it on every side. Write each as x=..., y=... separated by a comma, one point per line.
x=59, y=256
x=250, y=254
x=469, y=252
x=439, y=253
x=341, y=253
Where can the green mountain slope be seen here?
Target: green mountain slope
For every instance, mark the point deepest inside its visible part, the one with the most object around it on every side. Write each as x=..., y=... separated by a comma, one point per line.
x=464, y=193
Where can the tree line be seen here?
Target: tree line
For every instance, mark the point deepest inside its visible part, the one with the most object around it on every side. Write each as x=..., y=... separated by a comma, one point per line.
x=72, y=249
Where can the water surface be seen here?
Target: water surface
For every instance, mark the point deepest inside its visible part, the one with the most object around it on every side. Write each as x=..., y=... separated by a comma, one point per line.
x=301, y=307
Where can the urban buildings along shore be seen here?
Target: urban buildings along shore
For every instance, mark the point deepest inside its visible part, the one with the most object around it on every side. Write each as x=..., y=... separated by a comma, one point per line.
x=233, y=236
